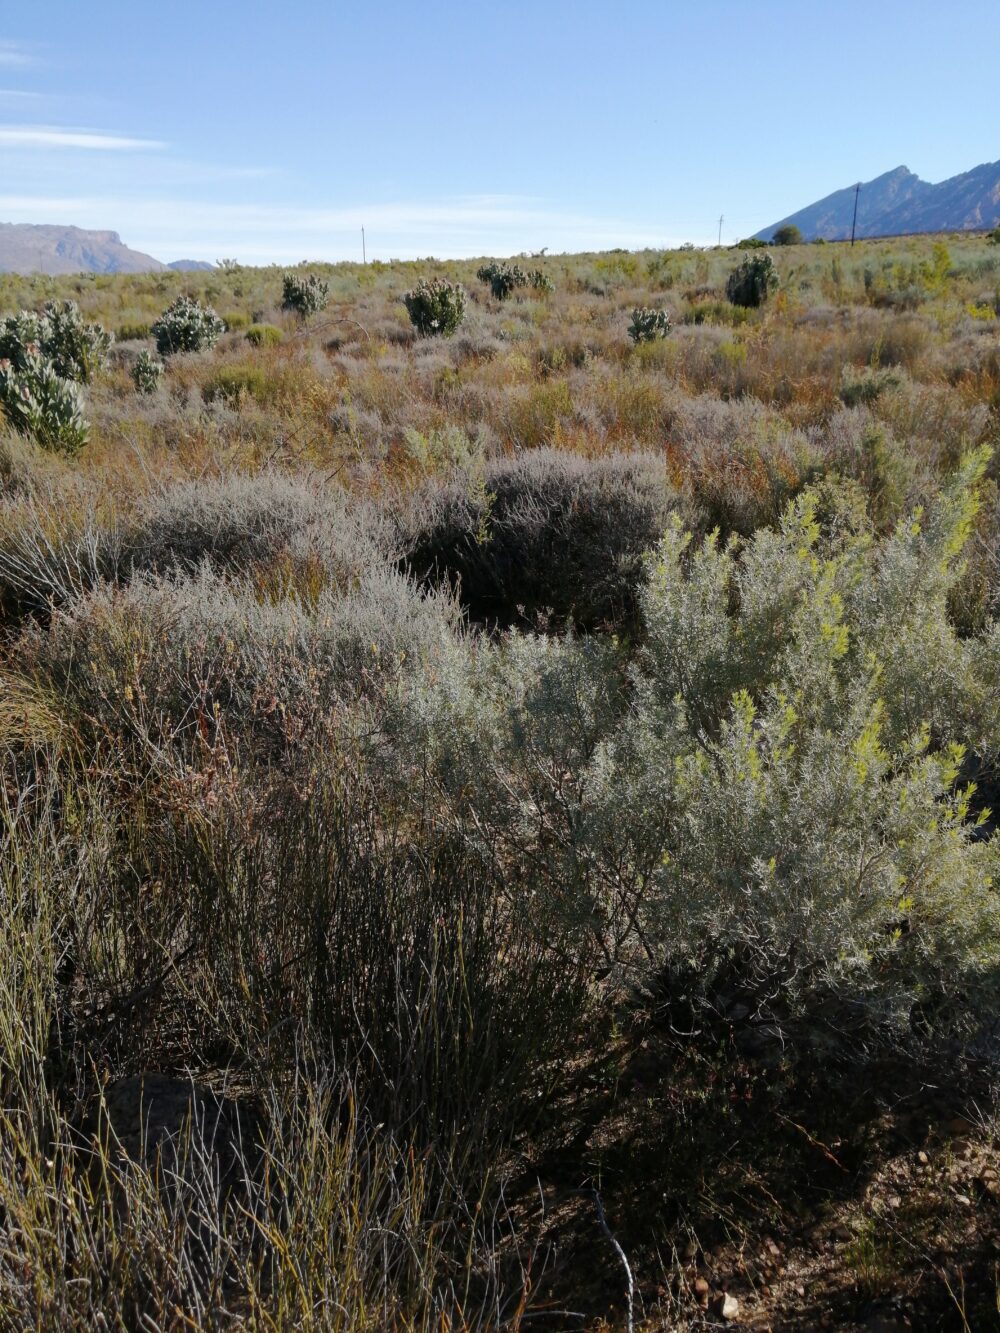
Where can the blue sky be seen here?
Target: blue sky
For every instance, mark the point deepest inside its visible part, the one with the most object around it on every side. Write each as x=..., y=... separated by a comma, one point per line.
x=271, y=132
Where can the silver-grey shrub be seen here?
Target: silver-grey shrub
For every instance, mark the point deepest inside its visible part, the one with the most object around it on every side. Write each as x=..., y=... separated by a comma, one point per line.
x=187, y=326
x=236, y=521
x=305, y=294
x=43, y=359
x=61, y=336
x=42, y=404
x=765, y=806
x=146, y=373
x=52, y=550
x=648, y=324
x=159, y=661
x=435, y=306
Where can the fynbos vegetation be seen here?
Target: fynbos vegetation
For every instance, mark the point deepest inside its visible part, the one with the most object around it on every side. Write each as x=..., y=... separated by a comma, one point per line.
x=187, y=326
x=753, y=282
x=304, y=294
x=435, y=307
x=464, y=796
x=147, y=372
x=648, y=324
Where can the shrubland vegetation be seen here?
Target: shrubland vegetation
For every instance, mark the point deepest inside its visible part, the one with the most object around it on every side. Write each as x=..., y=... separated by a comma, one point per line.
x=488, y=794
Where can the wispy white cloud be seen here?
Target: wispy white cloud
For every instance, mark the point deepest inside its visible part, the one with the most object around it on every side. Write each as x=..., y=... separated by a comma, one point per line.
x=19, y=95
x=54, y=136
x=15, y=53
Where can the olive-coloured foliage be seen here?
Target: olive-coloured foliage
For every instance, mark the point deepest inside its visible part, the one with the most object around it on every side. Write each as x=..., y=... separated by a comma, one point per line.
x=146, y=373
x=753, y=282
x=648, y=324
x=305, y=295
x=187, y=326
x=40, y=403
x=773, y=810
x=502, y=278
x=435, y=306
x=61, y=336
x=787, y=235
x=263, y=335
x=43, y=358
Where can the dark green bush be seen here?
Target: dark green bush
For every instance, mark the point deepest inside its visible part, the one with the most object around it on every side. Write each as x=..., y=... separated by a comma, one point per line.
x=787, y=235
x=435, y=307
x=304, y=294
x=146, y=373
x=648, y=324
x=39, y=402
x=753, y=282
x=502, y=278
x=861, y=389
x=187, y=326
x=546, y=531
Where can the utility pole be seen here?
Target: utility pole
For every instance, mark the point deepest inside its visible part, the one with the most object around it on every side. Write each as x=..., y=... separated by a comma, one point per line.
x=722, y=218
x=857, y=191
x=364, y=254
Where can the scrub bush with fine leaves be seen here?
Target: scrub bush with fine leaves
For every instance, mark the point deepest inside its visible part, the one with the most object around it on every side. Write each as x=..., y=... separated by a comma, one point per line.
x=766, y=803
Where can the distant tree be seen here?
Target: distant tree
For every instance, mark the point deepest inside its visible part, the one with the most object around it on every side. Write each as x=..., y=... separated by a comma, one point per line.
x=994, y=236
x=787, y=235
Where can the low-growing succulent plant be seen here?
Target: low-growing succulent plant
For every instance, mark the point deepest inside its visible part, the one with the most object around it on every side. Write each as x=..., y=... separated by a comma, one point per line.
x=435, y=306
x=502, y=278
x=304, y=294
x=648, y=324
x=753, y=282
x=146, y=373
x=38, y=401
x=263, y=335
x=187, y=326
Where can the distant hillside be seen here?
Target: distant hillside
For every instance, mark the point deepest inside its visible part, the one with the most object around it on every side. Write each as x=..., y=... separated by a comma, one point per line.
x=900, y=202
x=27, y=247
x=191, y=266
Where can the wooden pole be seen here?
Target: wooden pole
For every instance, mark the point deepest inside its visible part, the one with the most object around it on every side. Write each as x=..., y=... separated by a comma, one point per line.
x=857, y=191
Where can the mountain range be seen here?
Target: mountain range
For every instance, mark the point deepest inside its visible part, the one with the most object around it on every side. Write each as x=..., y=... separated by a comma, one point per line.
x=899, y=203
x=27, y=247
